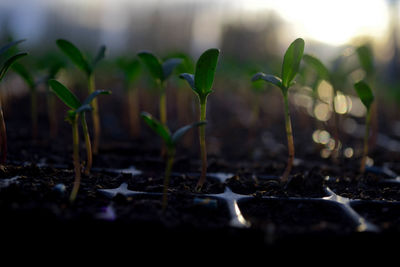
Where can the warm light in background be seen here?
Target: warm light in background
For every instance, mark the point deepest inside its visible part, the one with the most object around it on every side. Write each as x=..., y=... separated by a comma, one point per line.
x=334, y=22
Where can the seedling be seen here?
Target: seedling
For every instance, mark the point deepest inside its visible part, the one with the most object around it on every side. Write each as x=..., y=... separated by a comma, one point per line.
x=290, y=67
x=6, y=65
x=77, y=109
x=201, y=83
x=366, y=96
x=26, y=75
x=324, y=74
x=160, y=71
x=171, y=140
x=76, y=56
x=52, y=71
x=131, y=70
x=366, y=59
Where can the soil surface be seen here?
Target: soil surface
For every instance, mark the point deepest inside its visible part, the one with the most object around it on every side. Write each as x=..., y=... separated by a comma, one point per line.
x=242, y=201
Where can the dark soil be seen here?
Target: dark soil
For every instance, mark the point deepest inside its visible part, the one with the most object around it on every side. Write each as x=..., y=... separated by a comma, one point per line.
x=296, y=214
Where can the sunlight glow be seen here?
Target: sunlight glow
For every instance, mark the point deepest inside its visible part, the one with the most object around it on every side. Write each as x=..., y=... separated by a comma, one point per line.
x=335, y=22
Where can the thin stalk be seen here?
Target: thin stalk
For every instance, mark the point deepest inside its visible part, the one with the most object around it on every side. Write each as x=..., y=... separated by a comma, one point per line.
x=95, y=116
x=163, y=106
x=133, y=107
x=75, y=156
x=289, y=134
x=366, y=139
x=87, y=144
x=202, y=138
x=3, y=137
x=163, y=113
x=168, y=169
x=34, y=113
x=336, y=150
x=51, y=106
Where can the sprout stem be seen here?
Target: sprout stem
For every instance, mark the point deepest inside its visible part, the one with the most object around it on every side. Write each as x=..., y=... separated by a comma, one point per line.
x=3, y=136
x=34, y=113
x=168, y=169
x=75, y=155
x=202, y=138
x=95, y=116
x=366, y=139
x=163, y=106
x=51, y=106
x=87, y=143
x=290, y=141
x=336, y=150
x=133, y=106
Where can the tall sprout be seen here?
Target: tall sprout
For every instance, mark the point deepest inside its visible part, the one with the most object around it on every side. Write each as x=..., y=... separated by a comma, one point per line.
x=171, y=140
x=324, y=74
x=29, y=79
x=77, y=109
x=131, y=70
x=201, y=83
x=3, y=70
x=290, y=68
x=160, y=71
x=366, y=96
x=88, y=67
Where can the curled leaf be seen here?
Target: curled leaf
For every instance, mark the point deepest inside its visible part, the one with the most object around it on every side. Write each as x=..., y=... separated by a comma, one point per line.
x=205, y=71
x=181, y=131
x=64, y=94
x=9, y=62
x=74, y=54
x=291, y=61
x=153, y=64
x=157, y=127
x=365, y=94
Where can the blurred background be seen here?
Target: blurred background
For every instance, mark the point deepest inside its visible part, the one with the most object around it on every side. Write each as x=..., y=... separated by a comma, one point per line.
x=252, y=27
x=252, y=36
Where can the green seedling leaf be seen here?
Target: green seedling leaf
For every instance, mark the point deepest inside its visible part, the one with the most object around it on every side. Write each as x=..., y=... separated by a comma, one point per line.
x=83, y=108
x=317, y=65
x=153, y=64
x=71, y=116
x=189, y=78
x=291, y=61
x=25, y=74
x=269, y=78
x=74, y=54
x=5, y=47
x=131, y=69
x=64, y=94
x=181, y=131
x=9, y=62
x=365, y=94
x=100, y=55
x=90, y=98
x=205, y=71
x=169, y=65
x=157, y=127
x=366, y=59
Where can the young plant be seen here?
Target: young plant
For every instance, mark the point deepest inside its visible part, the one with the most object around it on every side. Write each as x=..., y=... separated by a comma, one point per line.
x=290, y=67
x=52, y=71
x=171, y=140
x=366, y=96
x=160, y=71
x=131, y=70
x=77, y=109
x=201, y=83
x=26, y=75
x=366, y=59
x=324, y=74
x=3, y=70
x=88, y=68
